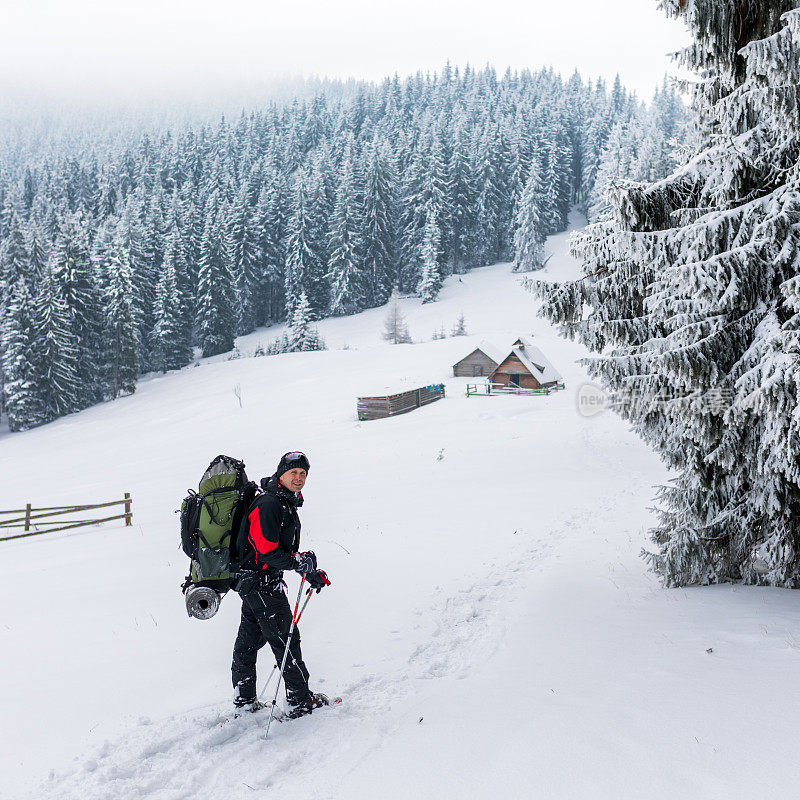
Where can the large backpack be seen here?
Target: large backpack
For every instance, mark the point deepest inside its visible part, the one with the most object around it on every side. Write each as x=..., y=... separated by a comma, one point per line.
x=210, y=520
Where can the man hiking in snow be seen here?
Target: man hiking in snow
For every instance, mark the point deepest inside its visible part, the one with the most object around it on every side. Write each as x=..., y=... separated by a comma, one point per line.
x=268, y=541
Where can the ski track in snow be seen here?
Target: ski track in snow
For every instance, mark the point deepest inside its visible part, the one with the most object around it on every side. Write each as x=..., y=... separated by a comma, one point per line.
x=179, y=758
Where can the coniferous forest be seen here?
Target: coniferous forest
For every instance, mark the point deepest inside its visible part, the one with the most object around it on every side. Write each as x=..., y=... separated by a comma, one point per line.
x=123, y=250
x=692, y=300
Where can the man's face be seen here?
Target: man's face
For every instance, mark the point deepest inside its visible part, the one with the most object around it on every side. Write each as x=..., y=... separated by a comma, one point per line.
x=294, y=479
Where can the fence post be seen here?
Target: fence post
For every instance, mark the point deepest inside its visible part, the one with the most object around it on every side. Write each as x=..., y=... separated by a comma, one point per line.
x=128, y=514
x=28, y=517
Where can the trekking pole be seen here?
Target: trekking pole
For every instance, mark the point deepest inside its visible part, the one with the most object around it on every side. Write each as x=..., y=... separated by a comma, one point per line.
x=295, y=617
x=266, y=683
x=308, y=597
x=275, y=666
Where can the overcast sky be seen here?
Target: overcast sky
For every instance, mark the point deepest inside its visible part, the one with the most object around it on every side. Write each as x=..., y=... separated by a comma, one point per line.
x=130, y=50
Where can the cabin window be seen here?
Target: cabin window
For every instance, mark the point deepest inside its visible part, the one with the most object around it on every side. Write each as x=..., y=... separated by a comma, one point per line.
x=477, y=371
x=515, y=376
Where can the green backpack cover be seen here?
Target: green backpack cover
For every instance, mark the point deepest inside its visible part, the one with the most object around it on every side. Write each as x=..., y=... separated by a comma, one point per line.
x=210, y=519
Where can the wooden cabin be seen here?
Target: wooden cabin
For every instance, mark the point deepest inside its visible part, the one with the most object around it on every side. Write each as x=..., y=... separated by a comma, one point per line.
x=480, y=363
x=527, y=367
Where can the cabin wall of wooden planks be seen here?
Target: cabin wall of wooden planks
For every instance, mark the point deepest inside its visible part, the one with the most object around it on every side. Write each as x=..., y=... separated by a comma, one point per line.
x=475, y=365
x=513, y=366
x=526, y=380
x=393, y=404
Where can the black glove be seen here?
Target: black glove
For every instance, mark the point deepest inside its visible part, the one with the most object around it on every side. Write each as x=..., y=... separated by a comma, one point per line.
x=306, y=562
x=317, y=579
x=247, y=581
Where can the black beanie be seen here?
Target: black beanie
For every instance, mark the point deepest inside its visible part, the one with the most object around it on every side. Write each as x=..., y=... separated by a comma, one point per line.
x=293, y=460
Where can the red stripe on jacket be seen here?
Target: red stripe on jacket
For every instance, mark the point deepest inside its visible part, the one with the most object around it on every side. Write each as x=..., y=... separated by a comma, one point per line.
x=261, y=544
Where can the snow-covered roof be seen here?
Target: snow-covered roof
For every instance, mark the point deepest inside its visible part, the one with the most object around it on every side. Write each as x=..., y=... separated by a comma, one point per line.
x=522, y=340
x=535, y=361
x=488, y=349
x=495, y=353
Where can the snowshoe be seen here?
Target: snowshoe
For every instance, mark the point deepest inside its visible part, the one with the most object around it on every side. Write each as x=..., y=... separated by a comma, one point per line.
x=316, y=700
x=244, y=706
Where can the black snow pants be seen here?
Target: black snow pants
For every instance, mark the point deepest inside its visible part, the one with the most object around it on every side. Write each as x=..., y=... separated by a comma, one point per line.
x=266, y=619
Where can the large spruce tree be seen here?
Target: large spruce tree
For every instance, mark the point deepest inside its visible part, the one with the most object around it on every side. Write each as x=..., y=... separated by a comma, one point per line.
x=379, y=224
x=20, y=389
x=430, y=281
x=530, y=234
x=693, y=297
x=171, y=337
x=345, y=267
x=216, y=292
x=121, y=345
x=76, y=279
x=246, y=265
x=54, y=353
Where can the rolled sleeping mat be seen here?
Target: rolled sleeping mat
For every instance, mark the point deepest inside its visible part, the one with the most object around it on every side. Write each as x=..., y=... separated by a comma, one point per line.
x=202, y=602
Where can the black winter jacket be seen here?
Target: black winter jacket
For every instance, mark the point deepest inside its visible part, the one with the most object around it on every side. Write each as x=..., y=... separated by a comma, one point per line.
x=270, y=533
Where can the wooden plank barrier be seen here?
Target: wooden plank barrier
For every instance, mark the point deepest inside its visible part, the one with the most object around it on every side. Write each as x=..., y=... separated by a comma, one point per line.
x=489, y=388
x=36, y=517
x=393, y=404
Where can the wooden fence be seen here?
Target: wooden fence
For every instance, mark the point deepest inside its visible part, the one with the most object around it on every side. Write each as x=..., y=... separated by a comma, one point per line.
x=34, y=518
x=489, y=388
x=390, y=405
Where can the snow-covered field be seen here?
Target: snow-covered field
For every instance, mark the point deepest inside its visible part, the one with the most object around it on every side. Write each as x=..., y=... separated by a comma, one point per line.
x=490, y=624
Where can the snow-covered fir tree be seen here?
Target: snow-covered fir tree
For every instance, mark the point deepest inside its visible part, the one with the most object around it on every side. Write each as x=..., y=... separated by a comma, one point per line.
x=304, y=259
x=556, y=184
x=615, y=164
x=216, y=293
x=395, y=329
x=530, y=235
x=462, y=203
x=54, y=353
x=430, y=281
x=493, y=196
x=147, y=236
x=460, y=327
x=412, y=222
x=345, y=267
x=639, y=147
x=21, y=399
x=75, y=277
x=692, y=290
x=121, y=330
x=38, y=253
x=14, y=257
x=246, y=264
x=379, y=238
x=130, y=234
x=302, y=333
x=171, y=340
x=273, y=214
x=322, y=195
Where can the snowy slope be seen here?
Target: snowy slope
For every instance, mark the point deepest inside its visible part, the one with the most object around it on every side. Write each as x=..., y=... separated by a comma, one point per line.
x=490, y=623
